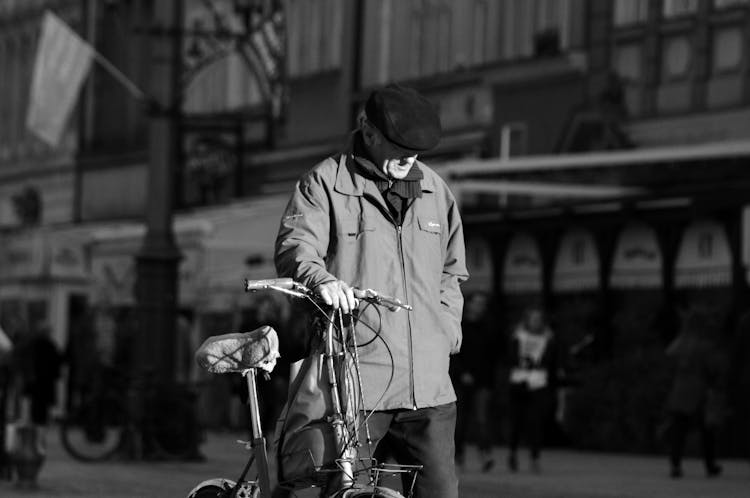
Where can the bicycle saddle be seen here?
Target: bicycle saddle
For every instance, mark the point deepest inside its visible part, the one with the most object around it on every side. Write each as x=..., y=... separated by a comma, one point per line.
x=239, y=352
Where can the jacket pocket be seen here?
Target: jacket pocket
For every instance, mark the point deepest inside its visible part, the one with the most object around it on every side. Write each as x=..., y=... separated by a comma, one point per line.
x=430, y=225
x=353, y=228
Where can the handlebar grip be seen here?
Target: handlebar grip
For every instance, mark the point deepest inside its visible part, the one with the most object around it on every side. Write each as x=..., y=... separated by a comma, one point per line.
x=394, y=304
x=283, y=283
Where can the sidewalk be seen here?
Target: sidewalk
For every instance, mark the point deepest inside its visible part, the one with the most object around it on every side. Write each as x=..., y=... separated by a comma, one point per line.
x=564, y=474
x=595, y=475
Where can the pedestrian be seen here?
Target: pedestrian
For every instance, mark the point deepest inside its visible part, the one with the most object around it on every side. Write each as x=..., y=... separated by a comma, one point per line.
x=377, y=217
x=6, y=355
x=739, y=381
x=533, y=360
x=473, y=372
x=39, y=364
x=696, y=394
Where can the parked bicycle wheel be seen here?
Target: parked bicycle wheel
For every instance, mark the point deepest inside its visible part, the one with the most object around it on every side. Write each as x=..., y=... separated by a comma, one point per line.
x=93, y=430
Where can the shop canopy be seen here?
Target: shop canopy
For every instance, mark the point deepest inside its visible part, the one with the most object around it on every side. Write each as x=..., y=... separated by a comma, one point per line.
x=670, y=175
x=220, y=247
x=637, y=261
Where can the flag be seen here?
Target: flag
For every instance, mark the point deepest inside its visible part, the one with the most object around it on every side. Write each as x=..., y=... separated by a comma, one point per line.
x=63, y=59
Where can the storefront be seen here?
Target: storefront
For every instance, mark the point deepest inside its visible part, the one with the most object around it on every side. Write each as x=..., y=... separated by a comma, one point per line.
x=619, y=245
x=42, y=271
x=636, y=287
x=576, y=286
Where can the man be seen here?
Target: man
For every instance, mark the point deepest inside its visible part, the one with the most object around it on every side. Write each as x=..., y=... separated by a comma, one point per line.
x=376, y=217
x=473, y=372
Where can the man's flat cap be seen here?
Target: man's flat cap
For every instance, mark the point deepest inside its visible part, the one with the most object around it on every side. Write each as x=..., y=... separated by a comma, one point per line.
x=404, y=117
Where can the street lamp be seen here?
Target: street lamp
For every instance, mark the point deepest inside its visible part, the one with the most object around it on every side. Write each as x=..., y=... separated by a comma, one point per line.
x=158, y=259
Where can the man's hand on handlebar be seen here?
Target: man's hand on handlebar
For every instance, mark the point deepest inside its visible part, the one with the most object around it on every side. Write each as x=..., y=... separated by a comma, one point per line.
x=338, y=294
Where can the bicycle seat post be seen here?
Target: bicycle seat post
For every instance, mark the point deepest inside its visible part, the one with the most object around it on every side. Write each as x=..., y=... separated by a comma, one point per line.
x=258, y=440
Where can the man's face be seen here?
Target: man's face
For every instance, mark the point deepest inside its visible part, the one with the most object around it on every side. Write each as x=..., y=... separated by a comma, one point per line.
x=392, y=160
x=396, y=162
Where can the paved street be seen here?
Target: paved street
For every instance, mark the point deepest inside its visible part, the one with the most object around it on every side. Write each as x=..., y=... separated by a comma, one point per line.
x=564, y=474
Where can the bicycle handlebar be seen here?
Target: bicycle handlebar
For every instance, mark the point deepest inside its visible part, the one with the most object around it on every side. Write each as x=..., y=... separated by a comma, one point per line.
x=289, y=285
x=269, y=283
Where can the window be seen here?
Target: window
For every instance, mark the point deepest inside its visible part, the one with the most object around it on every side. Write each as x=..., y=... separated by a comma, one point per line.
x=676, y=58
x=479, y=32
x=314, y=36
x=628, y=64
x=674, y=93
x=727, y=50
x=536, y=27
x=4, y=123
x=725, y=4
x=627, y=61
x=725, y=86
x=513, y=140
x=24, y=69
x=678, y=8
x=415, y=40
x=629, y=12
x=431, y=37
x=13, y=95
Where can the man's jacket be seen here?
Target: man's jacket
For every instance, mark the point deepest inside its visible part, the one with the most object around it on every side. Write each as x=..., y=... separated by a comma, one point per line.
x=337, y=226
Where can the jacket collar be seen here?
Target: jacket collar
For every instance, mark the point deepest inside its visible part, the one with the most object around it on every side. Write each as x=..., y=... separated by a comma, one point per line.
x=348, y=182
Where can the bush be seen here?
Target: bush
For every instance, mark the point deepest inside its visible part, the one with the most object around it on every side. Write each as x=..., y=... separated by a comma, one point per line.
x=619, y=405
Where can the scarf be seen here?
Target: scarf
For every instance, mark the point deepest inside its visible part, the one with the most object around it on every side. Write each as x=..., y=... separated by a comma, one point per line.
x=398, y=194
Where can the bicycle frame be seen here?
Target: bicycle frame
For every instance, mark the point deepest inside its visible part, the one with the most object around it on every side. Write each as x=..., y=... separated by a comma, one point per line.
x=342, y=480
x=258, y=445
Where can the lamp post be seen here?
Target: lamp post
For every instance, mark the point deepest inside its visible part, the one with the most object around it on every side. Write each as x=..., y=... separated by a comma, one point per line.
x=155, y=389
x=158, y=259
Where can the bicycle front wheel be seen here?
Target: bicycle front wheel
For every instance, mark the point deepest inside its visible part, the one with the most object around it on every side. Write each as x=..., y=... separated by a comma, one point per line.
x=93, y=432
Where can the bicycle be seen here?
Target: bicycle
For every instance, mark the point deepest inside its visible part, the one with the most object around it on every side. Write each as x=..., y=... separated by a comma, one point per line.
x=101, y=422
x=258, y=350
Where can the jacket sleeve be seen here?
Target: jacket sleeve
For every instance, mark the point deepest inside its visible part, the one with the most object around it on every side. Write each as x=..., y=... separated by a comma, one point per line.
x=304, y=234
x=454, y=273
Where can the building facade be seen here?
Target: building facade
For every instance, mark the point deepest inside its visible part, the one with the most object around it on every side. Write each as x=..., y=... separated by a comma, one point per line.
x=586, y=141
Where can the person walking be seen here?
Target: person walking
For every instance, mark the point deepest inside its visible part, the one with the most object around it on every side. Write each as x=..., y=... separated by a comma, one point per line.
x=6, y=356
x=739, y=382
x=377, y=217
x=533, y=363
x=39, y=362
x=473, y=374
x=695, y=397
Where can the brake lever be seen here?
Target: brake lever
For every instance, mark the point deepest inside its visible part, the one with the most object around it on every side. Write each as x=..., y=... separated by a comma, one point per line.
x=391, y=303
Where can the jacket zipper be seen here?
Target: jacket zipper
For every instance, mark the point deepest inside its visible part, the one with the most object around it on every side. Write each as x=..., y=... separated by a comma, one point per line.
x=408, y=320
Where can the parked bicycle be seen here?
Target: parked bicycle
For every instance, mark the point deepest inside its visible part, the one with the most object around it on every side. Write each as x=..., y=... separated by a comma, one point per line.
x=351, y=475
x=101, y=422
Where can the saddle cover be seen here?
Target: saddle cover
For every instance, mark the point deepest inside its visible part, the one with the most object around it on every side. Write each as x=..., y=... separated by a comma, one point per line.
x=240, y=351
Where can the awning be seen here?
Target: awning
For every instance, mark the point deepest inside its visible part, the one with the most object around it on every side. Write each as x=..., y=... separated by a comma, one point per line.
x=639, y=173
x=522, y=267
x=596, y=160
x=704, y=258
x=220, y=247
x=577, y=263
x=42, y=253
x=637, y=260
